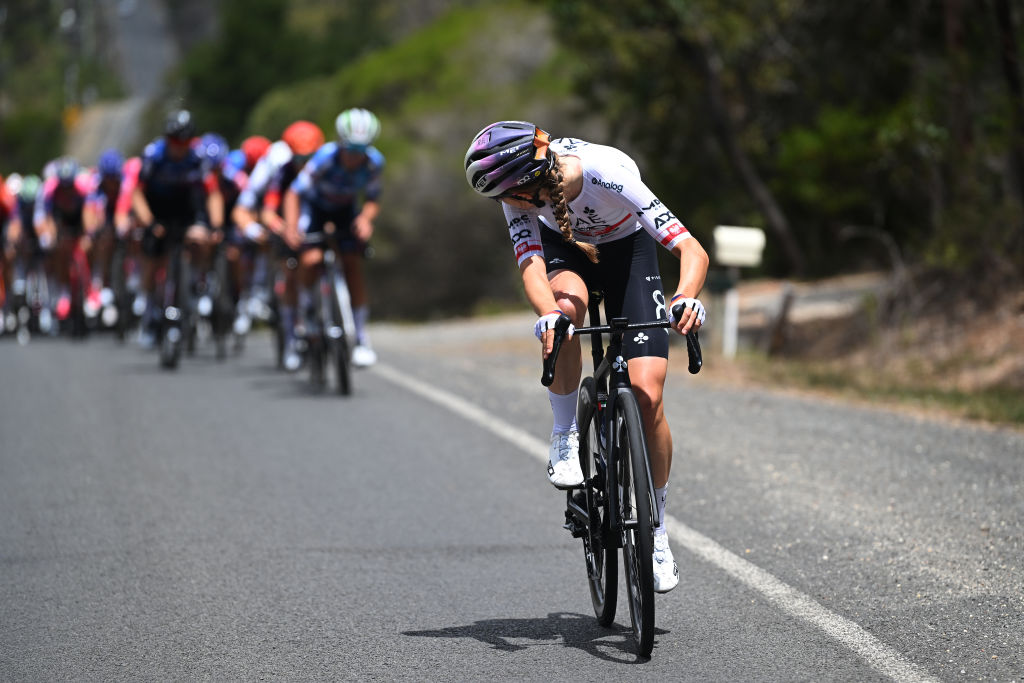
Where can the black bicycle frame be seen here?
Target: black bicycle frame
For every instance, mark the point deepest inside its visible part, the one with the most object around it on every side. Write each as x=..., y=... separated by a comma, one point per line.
x=611, y=378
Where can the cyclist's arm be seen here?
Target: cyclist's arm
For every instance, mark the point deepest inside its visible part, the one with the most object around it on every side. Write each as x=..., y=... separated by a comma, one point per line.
x=141, y=206
x=363, y=223
x=93, y=216
x=693, y=267
x=291, y=217
x=214, y=202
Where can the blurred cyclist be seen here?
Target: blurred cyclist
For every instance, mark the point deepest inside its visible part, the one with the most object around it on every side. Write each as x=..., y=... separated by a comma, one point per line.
x=273, y=174
x=60, y=217
x=107, y=217
x=172, y=202
x=340, y=185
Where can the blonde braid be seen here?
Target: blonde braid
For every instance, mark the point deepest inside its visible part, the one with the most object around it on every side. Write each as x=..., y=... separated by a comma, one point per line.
x=554, y=182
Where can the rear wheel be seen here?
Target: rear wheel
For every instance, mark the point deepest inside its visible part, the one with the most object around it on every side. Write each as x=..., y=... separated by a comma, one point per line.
x=600, y=556
x=636, y=513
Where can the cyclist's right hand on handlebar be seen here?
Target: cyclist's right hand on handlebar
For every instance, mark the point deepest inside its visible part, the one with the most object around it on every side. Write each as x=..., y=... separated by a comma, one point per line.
x=544, y=329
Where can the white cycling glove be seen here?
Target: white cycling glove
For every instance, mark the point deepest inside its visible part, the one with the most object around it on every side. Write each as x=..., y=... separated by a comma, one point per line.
x=254, y=231
x=547, y=322
x=694, y=304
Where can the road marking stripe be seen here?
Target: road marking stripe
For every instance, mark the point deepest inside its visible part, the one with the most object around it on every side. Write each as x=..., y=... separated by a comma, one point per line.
x=880, y=656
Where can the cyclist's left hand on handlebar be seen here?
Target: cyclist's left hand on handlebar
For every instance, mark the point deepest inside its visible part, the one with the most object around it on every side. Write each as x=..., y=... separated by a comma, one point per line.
x=692, y=316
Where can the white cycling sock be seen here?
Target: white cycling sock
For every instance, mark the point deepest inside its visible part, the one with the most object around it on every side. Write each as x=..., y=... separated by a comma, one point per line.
x=361, y=315
x=563, y=407
x=659, y=497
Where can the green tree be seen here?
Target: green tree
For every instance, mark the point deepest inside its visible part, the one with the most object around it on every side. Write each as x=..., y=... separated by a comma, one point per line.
x=259, y=47
x=809, y=118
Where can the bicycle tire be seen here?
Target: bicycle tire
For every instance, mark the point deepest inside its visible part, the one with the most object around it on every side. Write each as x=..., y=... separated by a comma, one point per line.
x=119, y=287
x=601, y=560
x=172, y=332
x=635, y=505
x=316, y=345
x=222, y=304
x=78, y=285
x=340, y=349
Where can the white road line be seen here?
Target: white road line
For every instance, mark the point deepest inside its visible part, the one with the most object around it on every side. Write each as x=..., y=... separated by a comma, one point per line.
x=880, y=656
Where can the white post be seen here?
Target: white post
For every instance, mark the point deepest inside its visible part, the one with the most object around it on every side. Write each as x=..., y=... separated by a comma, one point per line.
x=731, y=323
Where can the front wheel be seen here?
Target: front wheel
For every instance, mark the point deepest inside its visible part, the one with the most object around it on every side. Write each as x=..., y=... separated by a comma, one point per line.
x=636, y=515
x=600, y=555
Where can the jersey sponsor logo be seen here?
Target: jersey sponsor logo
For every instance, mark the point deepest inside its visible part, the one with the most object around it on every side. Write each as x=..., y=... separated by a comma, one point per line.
x=524, y=248
x=650, y=207
x=663, y=218
x=605, y=184
x=672, y=232
x=592, y=228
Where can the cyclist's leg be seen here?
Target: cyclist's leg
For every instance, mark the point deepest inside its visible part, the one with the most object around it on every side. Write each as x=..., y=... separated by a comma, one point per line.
x=570, y=277
x=634, y=290
x=647, y=375
x=311, y=257
x=629, y=271
x=571, y=294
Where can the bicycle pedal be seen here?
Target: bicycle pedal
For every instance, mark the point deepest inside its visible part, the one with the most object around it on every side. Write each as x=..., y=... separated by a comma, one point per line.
x=574, y=529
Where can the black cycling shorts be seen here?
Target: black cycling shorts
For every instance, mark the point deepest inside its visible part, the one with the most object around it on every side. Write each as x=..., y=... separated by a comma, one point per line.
x=627, y=273
x=344, y=239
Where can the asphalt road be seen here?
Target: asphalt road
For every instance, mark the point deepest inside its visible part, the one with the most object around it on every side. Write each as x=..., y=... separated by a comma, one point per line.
x=222, y=522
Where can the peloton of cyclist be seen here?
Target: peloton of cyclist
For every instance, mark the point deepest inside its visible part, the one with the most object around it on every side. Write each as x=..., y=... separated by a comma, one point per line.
x=260, y=205
x=340, y=185
x=580, y=218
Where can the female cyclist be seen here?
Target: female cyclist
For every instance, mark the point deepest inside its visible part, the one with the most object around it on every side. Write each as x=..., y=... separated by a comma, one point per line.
x=341, y=185
x=581, y=218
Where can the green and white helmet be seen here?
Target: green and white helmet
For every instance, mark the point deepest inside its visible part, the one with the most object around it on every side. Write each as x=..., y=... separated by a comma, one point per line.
x=357, y=128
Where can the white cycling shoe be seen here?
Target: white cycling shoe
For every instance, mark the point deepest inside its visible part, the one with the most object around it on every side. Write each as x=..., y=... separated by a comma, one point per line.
x=363, y=356
x=564, y=460
x=666, y=572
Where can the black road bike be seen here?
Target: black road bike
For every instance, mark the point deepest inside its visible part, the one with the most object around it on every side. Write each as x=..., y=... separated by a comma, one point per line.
x=615, y=506
x=176, y=323
x=331, y=322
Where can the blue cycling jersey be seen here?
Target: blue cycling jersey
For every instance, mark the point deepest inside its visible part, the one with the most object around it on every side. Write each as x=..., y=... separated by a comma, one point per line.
x=168, y=178
x=328, y=185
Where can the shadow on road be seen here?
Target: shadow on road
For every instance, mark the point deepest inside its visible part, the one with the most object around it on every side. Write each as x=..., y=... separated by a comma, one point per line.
x=613, y=644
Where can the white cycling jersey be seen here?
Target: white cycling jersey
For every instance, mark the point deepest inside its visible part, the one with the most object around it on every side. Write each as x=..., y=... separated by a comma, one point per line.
x=266, y=168
x=614, y=203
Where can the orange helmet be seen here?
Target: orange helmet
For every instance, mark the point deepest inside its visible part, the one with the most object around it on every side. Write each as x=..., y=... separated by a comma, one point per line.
x=303, y=137
x=254, y=147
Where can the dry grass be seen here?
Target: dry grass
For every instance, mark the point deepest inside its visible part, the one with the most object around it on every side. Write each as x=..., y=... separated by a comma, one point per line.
x=961, y=363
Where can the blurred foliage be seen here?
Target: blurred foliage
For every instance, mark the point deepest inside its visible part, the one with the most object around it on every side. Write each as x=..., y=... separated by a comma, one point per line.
x=31, y=85
x=263, y=44
x=890, y=115
x=433, y=91
x=901, y=119
x=43, y=71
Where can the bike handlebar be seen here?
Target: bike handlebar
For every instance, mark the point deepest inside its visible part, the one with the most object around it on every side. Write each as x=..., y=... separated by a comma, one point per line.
x=696, y=360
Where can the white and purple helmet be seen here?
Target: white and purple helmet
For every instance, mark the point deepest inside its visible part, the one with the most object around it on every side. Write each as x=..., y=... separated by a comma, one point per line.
x=506, y=155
